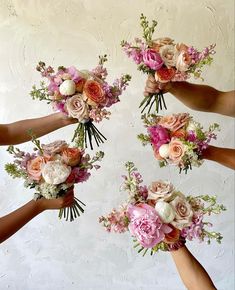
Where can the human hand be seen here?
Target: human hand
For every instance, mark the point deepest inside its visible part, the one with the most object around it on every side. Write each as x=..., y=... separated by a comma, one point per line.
x=152, y=86
x=65, y=119
x=57, y=203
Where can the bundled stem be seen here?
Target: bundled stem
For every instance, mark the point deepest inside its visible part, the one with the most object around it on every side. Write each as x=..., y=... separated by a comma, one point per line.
x=149, y=101
x=72, y=212
x=87, y=131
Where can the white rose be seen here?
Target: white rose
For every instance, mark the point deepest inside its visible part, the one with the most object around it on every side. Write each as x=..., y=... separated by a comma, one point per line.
x=164, y=150
x=169, y=54
x=181, y=65
x=77, y=108
x=67, y=88
x=165, y=211
x=55, y=172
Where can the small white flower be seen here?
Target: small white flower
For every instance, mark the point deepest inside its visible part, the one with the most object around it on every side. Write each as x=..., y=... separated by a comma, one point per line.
x=67, y=88
x=165, y=211
x=164, y=150
x=192, y=126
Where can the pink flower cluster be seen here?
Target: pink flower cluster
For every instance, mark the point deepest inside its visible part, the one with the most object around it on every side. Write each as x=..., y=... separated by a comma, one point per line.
x=167, y=60
x=54, y=167
x=163, y=216
x=80, y=94
x=178, y=139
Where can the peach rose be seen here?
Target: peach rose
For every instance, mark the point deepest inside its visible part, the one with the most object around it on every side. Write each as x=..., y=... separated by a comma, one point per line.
x=93, y=93
x=159, y=42
x=183, y=60
x=174, y=122
x=181, y=133
x=176, y=150
x=34, y=168
x=173, y=236
x=164, y=74
x=80, y=85
x=71, y=156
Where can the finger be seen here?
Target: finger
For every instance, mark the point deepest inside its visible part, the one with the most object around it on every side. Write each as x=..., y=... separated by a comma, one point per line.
x=146, y=94
x=151, y=78
x=150, y=90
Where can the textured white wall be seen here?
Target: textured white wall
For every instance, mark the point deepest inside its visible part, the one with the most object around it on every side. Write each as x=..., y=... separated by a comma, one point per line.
x=52, y=254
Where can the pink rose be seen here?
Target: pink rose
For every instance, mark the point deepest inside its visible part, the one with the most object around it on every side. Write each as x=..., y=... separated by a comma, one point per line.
x=34, y=168
x=152, y=59
x=54, y=147
x=146, y=225
x=71, y=156
x=174, y=122
x=158, y=136
x=176, y=150
x=160, y=190
x=77, y=108
x=183, y=213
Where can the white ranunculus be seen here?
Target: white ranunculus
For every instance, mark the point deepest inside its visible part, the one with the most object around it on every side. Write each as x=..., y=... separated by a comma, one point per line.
x=55, y=172
x=165, y=211
x=164, y=150
x=77, y=108
x=67, y=88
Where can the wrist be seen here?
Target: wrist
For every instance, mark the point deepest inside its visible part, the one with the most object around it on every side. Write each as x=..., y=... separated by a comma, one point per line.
x=208, y=153
x=177, y=245
x=40, y=205
x=64, y=120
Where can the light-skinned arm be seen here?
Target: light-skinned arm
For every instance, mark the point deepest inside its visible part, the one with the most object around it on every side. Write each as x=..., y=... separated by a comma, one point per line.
x=196, y=97
x=14, y=221
x=193, y=275
x=17, y=132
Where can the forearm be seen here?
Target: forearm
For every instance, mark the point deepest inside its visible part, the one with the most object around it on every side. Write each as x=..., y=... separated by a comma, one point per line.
x=224, y=156
x=197, y=97
x=17, y=132
x=191, y=271
x=14, y=221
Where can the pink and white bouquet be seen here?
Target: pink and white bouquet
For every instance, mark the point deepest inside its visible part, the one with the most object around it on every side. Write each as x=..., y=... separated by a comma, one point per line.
x=159, y=217
x=81, y=94
x=166, y=60
x=52, y=169
x=177, y=139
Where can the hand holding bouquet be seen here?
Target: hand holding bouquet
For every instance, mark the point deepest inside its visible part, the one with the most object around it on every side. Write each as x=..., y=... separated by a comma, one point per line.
x=166, y=60
x=52, y=169
x=177, y=139
x=159, y=217
x=83, y=95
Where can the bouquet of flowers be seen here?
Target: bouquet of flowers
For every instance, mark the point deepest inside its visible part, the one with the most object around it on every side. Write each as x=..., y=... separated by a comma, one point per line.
x=52, y=169
x=165, y=60
x=160, y=217
x=177, y=139
x=83, y=95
